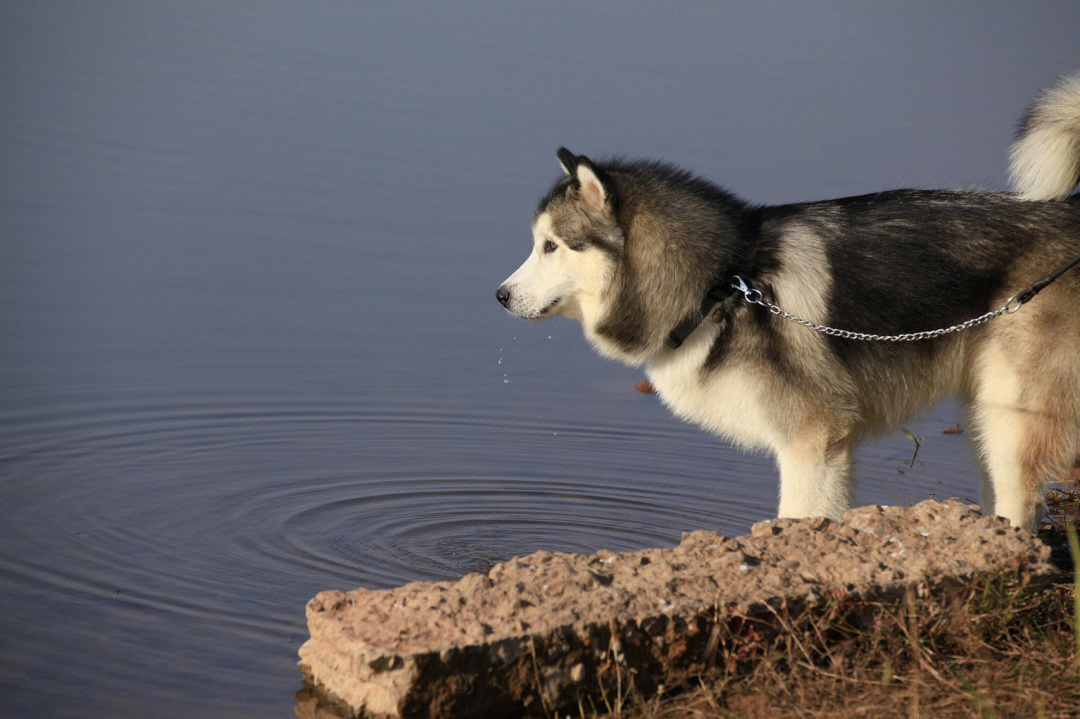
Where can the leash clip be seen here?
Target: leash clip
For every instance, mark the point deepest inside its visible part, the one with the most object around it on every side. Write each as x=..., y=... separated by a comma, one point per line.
x=752, y=296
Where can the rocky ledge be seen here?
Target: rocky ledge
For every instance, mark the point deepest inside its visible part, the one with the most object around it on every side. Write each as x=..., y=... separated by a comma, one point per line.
x=553, y=631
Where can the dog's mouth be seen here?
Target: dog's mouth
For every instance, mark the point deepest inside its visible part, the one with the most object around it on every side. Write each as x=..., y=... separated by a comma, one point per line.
x=550, y=306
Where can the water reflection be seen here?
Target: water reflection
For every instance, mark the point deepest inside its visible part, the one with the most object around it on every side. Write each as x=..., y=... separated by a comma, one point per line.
x=313, y=704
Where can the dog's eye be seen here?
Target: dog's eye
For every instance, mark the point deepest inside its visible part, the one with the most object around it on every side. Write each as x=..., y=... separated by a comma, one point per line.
x=550, y=246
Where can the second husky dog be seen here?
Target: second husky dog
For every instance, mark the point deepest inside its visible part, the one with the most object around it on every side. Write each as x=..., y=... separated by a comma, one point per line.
x=640, y=252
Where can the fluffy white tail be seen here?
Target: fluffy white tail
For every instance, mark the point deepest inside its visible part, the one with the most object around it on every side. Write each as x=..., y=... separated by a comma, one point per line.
x=1044, y=161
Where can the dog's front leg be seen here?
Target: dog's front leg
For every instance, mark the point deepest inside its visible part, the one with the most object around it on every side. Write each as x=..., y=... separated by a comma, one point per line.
x=815, y=477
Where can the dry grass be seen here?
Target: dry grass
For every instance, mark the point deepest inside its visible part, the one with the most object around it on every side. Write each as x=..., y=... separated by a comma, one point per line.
x=1029, y=670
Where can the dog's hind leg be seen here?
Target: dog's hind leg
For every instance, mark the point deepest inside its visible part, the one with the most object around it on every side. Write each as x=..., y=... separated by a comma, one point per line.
x=815, y=477
x=986, y=483
x=1026, y=420
x=987, y=498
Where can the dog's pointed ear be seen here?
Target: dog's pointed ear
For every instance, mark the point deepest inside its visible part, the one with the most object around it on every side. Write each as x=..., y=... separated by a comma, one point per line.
x=595, y=188
x=568, y=160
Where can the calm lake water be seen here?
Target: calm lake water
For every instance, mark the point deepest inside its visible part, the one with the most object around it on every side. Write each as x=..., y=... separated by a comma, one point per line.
x=250, y=348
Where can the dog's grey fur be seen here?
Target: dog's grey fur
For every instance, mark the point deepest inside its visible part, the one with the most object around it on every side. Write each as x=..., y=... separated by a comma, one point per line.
x=631, y=248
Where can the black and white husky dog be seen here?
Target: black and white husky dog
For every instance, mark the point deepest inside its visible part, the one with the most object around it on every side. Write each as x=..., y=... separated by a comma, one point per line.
x=646, y=256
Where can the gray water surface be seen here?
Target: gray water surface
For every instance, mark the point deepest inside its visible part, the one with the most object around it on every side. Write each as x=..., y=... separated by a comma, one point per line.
x=250, y=348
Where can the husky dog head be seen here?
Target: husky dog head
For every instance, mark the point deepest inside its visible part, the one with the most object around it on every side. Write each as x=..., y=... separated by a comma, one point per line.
x=627, y=249
x=577, y=243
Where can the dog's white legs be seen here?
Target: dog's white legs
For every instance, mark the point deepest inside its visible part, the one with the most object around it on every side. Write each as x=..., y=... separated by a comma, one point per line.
x=1023, y=449
x=1027, y=431
x=987, y=501
x=815, y=479
x=1001, y=439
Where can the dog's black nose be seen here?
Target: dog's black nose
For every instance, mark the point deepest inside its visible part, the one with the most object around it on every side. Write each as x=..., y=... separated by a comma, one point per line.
x=503, y=296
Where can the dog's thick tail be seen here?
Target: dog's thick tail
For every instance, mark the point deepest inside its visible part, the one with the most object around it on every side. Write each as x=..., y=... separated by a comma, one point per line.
x=1044, y=161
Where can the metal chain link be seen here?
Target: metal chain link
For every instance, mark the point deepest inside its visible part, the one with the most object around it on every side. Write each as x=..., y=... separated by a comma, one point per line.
x=755, y=297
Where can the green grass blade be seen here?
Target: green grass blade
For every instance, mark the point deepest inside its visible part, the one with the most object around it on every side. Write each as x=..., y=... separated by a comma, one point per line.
x=1074, y=550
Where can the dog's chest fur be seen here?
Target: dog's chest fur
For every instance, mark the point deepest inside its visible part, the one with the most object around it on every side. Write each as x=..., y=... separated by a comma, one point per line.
x=731, y=399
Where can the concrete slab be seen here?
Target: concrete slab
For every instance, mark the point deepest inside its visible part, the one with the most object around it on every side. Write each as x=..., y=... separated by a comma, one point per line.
x=547, y=631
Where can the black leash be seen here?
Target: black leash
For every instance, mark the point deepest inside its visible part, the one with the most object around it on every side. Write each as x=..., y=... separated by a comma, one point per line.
x=1036, y=287
x=722, y=293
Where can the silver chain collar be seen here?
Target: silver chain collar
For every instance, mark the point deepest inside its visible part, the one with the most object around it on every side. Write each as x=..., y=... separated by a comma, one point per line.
x=755, y=297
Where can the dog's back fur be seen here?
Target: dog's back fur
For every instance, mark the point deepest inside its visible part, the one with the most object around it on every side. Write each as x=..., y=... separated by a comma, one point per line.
x=642, y=243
